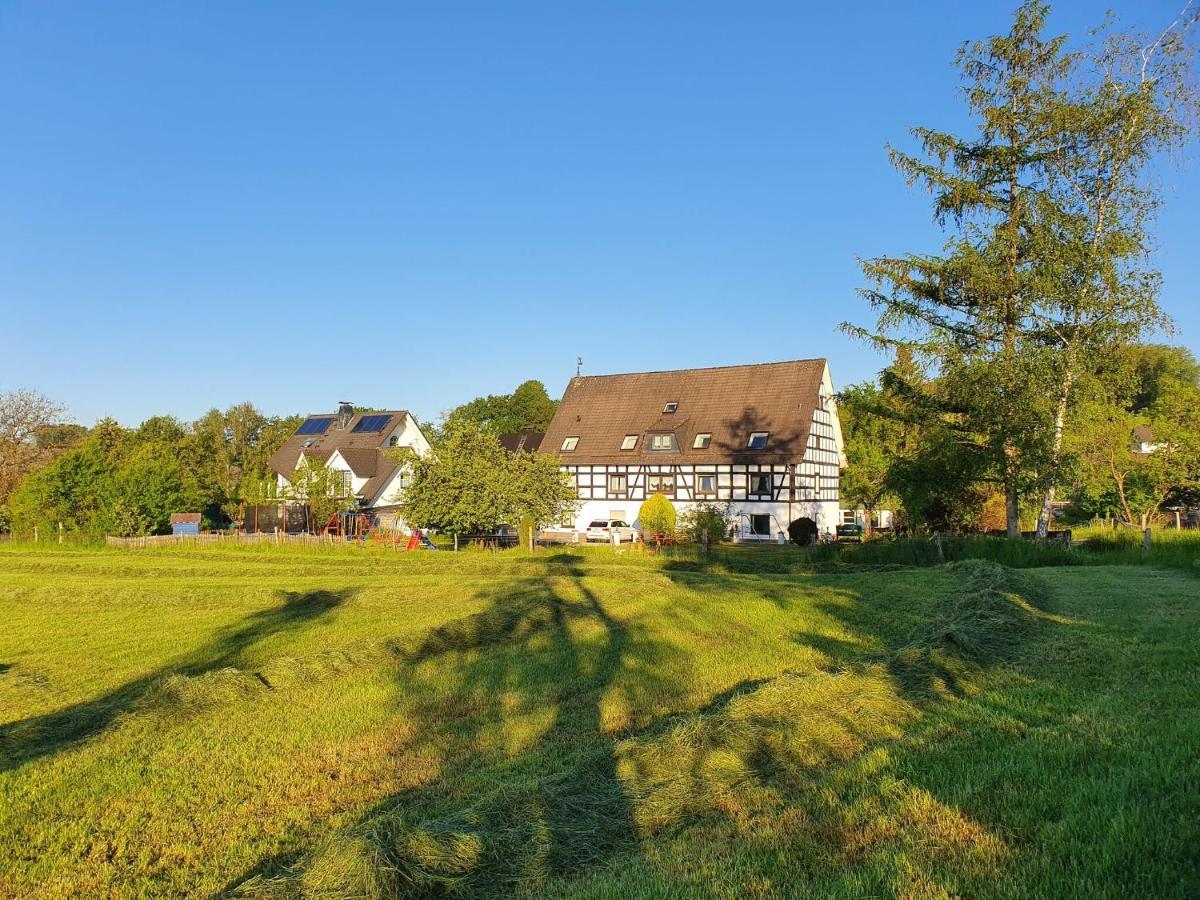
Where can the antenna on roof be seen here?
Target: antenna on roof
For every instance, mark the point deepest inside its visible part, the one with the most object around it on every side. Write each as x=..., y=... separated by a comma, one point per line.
x=578, y=366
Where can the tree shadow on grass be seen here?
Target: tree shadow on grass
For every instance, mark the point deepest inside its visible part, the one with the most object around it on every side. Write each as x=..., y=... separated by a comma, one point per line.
x=28, y=739
x=524, y=703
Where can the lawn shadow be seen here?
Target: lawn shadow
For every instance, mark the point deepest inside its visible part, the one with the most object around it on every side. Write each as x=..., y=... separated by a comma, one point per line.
x=28, y=739
x=524, y=702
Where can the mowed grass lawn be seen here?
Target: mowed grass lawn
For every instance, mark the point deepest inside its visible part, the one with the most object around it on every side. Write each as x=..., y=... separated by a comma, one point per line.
x=188, y=722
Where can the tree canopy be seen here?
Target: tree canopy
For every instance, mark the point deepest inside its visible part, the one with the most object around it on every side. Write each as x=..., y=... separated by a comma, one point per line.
x=527, y=407
x=128, y=481
x=469, y=484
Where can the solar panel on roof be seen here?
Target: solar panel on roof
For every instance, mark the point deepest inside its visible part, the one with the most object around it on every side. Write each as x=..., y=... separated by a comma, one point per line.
x=314, y=426
x=372, y=423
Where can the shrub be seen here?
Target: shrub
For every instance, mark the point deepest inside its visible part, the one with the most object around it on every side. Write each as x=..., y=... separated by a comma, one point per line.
x=714, y=518
x=657, y=516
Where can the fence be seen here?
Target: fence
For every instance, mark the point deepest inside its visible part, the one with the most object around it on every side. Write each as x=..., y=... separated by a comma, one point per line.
x=222, y=537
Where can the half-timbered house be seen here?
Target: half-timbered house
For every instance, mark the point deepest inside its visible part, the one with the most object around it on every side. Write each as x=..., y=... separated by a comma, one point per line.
x=764, y=439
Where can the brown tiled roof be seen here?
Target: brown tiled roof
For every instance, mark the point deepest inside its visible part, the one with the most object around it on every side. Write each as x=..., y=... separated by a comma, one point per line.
x=185, y=518
x=321, y=446
x=728, y=402
x=1143, y=435
x=526, y=439
x=361, y=460
x=387, y=465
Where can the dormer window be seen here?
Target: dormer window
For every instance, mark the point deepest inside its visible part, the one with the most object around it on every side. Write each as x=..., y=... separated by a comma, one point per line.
x=569, y=444
x=630, y=442
x=702, y=441
x=660, y=443
x=758, y=441
x=671, y=406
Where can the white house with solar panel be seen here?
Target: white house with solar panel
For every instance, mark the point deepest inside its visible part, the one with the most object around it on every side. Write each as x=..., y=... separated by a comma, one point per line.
x=360, y=446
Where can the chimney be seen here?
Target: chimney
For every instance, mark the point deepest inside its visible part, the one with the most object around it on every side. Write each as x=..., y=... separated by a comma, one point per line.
x=345, y=413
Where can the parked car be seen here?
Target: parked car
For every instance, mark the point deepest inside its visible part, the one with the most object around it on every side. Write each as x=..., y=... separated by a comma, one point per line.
x=507, y=536
x=604, y=529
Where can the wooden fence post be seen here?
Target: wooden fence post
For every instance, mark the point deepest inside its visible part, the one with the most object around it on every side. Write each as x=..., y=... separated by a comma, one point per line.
x=704, y=540
x=937, y=540
x=60, y=530
x=1146, y=542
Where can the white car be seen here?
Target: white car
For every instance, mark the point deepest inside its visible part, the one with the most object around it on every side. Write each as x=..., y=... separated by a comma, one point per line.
x=604, y=529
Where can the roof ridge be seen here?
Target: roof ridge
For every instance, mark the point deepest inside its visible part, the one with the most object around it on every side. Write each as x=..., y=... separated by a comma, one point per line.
x=780, y=362
x=360, y=412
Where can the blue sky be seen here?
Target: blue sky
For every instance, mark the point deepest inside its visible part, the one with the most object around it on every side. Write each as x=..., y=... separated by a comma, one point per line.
x=411, y=205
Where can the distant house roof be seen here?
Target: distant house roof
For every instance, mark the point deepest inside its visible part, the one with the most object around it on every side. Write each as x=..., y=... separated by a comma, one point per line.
x=363, y=461
x=387, y=467
x=728, y=403
x=526, y=439
x=185, y=518
x=318, y=438
x=1143, y=435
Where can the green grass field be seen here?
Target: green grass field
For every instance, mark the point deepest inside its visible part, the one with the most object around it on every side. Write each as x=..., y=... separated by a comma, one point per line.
x=280, y=723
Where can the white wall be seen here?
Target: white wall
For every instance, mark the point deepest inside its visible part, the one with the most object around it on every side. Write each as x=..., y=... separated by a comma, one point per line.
x=825, y=513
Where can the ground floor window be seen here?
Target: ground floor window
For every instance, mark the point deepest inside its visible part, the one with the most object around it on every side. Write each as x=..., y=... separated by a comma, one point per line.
x=760, y=524
x=849, y=517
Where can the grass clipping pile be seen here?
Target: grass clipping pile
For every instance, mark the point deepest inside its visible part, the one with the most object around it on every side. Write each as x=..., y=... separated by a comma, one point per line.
x=753, y=760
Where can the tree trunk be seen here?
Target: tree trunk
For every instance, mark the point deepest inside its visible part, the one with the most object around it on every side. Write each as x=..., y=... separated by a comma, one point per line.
x=1012, y=510
x=1060, y=419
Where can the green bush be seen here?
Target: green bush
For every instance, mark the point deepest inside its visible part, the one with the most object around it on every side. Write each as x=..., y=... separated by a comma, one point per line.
x=657, y=516
x=713, y=518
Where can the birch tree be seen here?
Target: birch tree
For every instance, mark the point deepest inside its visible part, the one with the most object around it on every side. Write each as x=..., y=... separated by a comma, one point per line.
x=1129, y=101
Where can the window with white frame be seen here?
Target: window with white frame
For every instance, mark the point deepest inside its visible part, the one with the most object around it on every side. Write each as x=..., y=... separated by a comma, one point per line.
x=569, y=444
x=630, y=442
x=706, y=485
x=661, y=443
x=672, y=406
x=617, y=483
x=702, y=441
x=760, y=483
x=758, y=441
